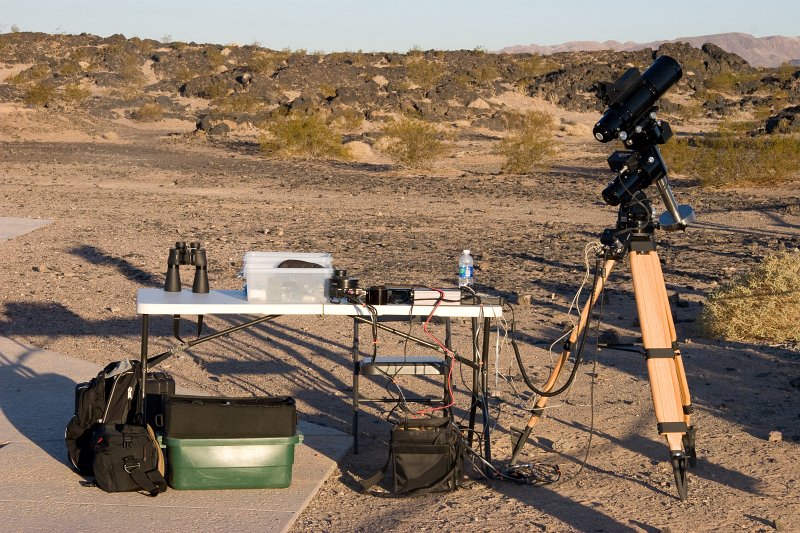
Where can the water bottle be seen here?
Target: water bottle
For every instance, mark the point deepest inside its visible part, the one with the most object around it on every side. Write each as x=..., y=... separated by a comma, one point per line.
x=465, y=270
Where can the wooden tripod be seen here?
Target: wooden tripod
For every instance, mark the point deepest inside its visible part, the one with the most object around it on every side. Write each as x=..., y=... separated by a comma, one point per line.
x=668, y=385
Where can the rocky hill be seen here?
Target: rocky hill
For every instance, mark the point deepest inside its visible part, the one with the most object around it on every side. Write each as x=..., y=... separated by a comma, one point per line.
x=225, y=87
x=770, y=51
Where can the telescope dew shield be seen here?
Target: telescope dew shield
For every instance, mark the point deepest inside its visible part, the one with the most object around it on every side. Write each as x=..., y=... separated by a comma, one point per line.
x=624, y=112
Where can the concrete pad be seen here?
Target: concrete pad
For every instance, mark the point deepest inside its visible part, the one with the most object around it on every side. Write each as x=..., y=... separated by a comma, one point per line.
x=41, y=492
x=11, y=227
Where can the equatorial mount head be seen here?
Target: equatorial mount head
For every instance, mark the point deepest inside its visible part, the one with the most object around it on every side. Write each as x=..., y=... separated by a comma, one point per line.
x=631, y=117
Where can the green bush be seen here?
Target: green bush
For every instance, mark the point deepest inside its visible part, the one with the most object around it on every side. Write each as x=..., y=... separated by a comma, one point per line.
x=729, y=158
x=762, y=305
x=529, y=145
x=414, y=143
x=304, y=136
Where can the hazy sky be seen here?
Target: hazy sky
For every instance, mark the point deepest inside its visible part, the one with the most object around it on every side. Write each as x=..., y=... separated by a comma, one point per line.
x=385, y=25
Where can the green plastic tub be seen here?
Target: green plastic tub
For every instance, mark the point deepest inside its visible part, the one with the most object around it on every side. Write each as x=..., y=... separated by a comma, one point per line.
x=262, y=463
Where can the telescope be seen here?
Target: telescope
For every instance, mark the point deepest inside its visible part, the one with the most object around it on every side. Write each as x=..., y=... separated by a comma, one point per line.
x=632, y=97
x=631, y=117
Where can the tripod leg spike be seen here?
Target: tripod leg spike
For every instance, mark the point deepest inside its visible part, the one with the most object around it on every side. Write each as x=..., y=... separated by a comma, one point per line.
x=679, y=461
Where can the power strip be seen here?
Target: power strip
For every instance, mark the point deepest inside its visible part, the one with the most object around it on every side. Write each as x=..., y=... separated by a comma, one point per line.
x=424, y=296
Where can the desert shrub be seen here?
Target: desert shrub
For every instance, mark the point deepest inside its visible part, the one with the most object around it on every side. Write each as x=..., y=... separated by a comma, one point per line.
x=75, y=93
x=304, y=136
x=350, y=119
x=215, y=89
x=728, y=158
x=237, y=103
x=486, y=74
x=150, y=112
x=70, y=68
x=214, y=58
x=39, y=94
x=533, y=66
x=762, y=305
x=327, y=91
x=414, y=143
x=530, y=143
x=726, y=80
x=125, y=62
x=424, y=73
x=35, y=72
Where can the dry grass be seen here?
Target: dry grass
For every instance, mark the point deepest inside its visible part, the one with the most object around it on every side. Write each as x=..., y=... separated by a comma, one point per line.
x=237, y=103
x=414, y=143
x=75, y=93
x=424, y=73
x=530, y=145
x=39, y=94
x=150, y=112
x=763, y=305
x=303, y=136
x=730, y=158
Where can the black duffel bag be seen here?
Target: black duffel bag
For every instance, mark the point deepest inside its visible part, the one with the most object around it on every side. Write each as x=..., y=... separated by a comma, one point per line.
x=127, y=458
x=426, y=455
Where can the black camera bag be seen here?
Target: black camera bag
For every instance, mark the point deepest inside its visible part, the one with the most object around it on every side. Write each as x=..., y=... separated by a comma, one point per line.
x=426, y=456
x=127, y=458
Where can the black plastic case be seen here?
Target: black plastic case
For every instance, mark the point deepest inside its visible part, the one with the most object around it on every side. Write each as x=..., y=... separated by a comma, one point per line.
x=158, y=387
x=208, y=417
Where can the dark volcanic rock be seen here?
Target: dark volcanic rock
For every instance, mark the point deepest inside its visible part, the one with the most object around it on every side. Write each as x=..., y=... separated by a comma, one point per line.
x=786, y=121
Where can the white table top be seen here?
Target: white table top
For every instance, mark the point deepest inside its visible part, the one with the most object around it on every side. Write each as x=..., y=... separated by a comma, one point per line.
x=160, y=302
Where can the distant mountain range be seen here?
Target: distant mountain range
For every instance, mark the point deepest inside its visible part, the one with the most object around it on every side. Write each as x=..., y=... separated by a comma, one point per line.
x=758, y=51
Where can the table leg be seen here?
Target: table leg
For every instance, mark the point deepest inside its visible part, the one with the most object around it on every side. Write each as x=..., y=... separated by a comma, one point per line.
x=475, y=380
x=487, y=450
x=145, y=339
x=356, y=376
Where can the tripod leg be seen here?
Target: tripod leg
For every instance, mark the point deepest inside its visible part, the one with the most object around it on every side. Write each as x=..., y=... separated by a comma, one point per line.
x=667, y=379
x=686, y=400
x=538, y=408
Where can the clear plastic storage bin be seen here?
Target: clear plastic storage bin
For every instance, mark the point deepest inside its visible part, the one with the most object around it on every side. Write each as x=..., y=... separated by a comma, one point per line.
x=267, y=281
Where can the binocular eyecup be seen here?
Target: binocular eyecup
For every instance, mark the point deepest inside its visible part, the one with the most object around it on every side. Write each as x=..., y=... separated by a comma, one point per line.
x=183, y=254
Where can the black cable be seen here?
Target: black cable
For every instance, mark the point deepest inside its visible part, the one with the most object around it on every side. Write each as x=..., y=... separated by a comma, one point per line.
x=578, y=354
x=585, y=460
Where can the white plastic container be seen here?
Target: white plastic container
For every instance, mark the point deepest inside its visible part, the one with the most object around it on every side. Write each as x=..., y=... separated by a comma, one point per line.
x=267, y=282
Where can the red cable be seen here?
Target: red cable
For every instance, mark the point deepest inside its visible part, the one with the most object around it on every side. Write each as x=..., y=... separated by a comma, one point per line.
x=447, y=351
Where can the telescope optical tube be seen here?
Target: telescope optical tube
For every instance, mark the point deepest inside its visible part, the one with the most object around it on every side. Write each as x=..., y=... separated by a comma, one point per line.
x=653, y=83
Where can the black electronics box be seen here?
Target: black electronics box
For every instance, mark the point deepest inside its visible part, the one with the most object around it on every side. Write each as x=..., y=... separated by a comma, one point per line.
x=158, y=387
x=214, y=417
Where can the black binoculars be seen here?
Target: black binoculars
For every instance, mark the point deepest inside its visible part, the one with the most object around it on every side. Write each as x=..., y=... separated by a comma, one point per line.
x=183, y=254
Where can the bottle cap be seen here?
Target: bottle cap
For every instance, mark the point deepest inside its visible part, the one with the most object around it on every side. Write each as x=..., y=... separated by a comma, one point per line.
x=466, y=252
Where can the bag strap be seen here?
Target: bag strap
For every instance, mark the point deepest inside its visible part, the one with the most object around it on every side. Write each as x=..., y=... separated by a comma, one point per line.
x=377, y=477
x=151, y=481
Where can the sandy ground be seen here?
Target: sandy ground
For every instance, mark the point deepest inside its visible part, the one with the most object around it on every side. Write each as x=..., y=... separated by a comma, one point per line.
x=120, y=194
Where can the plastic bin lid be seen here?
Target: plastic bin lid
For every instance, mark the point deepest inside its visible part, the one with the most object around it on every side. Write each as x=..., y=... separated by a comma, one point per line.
x=273, y=259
